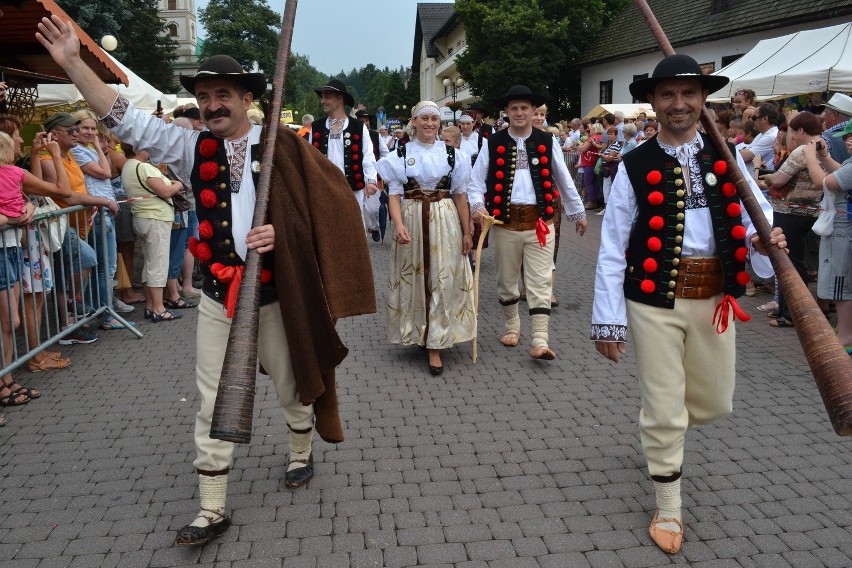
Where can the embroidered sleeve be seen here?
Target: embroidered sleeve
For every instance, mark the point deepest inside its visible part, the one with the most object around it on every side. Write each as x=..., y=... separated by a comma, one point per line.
x=116, y=113
x=608, y=332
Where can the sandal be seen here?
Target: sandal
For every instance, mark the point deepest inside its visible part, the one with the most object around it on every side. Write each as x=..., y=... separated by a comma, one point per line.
x=13, y=398
x=113, y=323
x=47, y=364
x=781, y=322
x=179, y=304
x=167, y=315
x=2, y=421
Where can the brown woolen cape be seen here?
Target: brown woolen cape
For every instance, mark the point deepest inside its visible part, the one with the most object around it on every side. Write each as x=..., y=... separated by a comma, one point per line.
x=322, y=269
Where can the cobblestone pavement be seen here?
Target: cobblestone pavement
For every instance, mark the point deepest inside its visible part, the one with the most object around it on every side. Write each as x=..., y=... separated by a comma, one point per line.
x=507, y=463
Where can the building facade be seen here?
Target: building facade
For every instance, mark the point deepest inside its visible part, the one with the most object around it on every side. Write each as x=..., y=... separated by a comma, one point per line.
x=180, y=21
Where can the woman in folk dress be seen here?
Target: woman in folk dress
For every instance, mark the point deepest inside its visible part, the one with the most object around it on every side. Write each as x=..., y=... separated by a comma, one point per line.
x=430, y=287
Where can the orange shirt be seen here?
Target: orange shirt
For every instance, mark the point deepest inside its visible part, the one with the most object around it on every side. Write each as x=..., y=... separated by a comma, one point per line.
x=77, y=180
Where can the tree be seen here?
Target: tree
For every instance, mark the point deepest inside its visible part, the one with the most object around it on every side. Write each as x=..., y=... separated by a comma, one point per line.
x=143, y=44
x=247, y=30
x=532, y=43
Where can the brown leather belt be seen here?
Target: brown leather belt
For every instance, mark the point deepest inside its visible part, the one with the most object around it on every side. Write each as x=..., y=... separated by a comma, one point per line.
x=523, y=218
x=425, y=198
x=699, y=278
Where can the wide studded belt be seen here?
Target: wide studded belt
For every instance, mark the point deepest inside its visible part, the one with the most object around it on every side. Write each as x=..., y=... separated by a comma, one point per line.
x=523, y=218
x=699, y=278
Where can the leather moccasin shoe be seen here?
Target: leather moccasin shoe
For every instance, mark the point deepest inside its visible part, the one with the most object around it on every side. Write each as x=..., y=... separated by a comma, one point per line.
x=668, y=541
x=299, y=476
x=542, y=353
x=195, y=536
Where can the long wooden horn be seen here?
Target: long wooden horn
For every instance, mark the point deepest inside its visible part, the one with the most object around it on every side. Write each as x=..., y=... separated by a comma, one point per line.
x=828, y=360
x=234, y=408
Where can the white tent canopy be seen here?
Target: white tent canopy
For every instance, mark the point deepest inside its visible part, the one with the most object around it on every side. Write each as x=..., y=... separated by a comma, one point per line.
x=137, y=91
x=791, y=65
x=629, y=110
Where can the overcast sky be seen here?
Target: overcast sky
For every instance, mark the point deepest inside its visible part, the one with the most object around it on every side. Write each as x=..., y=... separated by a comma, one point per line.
x=323, y=32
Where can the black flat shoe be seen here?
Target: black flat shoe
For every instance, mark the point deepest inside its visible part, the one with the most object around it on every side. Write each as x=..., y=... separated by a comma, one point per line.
x=300, y=476
x=436, y=370
x=195, y=536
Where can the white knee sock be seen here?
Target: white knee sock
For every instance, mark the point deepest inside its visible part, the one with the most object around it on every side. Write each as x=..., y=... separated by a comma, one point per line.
x=540, y=324
x=213, y=490
x=669, y=503
x=300, y=449
x=512, y=319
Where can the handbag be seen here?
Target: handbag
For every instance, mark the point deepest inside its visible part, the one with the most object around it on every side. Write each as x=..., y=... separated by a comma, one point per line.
x=824, y=224
x=599, y=166
x=178, y=202
x=51, y=229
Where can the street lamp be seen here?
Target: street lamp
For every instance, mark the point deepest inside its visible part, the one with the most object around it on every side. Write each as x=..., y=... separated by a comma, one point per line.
x=456, y=87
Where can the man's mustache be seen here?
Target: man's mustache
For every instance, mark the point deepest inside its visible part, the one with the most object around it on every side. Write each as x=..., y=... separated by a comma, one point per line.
x=219, y=113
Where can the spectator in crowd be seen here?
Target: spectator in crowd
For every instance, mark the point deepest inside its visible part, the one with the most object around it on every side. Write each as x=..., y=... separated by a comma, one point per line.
x=836, y=115
x=452, y=136
x=795, y=199
x=765, y=123
x=400, y=138
x=611, y=157
x=723, y=120
x=307, y=122
x=589, y=154
x=153, y=216
x=619, y=124
x=650, y=129
x=781, y=149
x=607, y=122
x=469, y=138
x=384, y=136
x=743, y=103
x=630, y=141
x=734, y=135
x=186, y=289
x=192, y=114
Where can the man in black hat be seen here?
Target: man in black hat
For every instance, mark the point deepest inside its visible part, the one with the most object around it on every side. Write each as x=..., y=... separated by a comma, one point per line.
x=673, y=247
x=520, y=180
x=347, y=143
x=476, y=111
x=298, y=305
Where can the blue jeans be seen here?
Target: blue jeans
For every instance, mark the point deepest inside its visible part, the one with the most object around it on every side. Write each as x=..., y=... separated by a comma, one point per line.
x=177, y=246
x=107, y=260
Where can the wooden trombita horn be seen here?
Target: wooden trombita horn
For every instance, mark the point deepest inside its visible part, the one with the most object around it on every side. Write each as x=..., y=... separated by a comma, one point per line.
x=828, y=360
x=234, y=408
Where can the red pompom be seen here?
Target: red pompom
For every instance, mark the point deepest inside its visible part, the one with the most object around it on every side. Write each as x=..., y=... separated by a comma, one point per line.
x=356, y=137
x=556, y=194
x=498, y=187
x=360, y=185
x=733, y=209
x=655, y=198
x=316, y=145
x=729, y=189
x=501, y=162
x=654, y=244
x=738, y=232
x=205, y=230
x=358, y=176
x=499, y=175
x=192, y=244
x=265, y=276
x=316, y=134
x=656, y=223
x=217, y=268
x=496, y=213
x=355, y=167
x=650, y=265
x=356, y=157
x=354, y=147
x=541, y=149
x=720, y=167
x=208, y=171
x=654, y=177
x=485, y=135
x=743, y=278
x=741, y=254
x=208, y=198
x=498, y=200
x=548, y=197
x=203, y=252
x=648, y=286
x=548, y=210
x=544, y=160
x=208, y=147
x=545, y=172
x=501, y=149
x=547, y=185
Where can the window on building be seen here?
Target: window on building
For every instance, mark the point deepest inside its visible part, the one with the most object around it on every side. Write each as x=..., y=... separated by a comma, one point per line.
x=717, y=6
x=639, y=78
x=173, y=31
x=172, y=4
x=606, y=92
x=728, y=59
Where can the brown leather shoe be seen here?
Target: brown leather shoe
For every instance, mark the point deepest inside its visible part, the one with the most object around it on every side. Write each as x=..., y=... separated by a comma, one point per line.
x=542, y=353
x=668, y=541
x=510, y=338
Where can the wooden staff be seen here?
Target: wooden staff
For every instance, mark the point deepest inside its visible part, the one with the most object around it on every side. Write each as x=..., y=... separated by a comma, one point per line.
x=234, y=408
x=828, y=360
x=487, y=221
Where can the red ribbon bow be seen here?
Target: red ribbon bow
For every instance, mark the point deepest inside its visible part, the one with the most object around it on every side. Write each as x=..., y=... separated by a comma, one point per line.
x=232, y=276
x=541, y=231
x=721, y=315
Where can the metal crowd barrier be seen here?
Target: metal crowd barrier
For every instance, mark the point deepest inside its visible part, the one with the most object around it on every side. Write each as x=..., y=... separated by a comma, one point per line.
x=68, y=300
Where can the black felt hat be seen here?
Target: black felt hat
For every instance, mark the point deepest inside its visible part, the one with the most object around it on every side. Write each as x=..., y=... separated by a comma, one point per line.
x=475, y=106
x=337, y=87
x=226, y=67
x=675, y=67
x=520, y=92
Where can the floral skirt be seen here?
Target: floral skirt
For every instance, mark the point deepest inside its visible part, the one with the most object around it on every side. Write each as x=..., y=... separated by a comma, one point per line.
x=451, y=316
x=37, y=274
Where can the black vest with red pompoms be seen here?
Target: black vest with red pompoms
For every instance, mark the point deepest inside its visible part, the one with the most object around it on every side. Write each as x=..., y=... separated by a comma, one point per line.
x=352, y=149
x=484, y=131
x=211, y=186
x=654, y=249
x=502, y=159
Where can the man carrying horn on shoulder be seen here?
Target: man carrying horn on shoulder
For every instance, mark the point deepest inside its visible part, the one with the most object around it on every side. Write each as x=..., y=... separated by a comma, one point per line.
x=297, y=342
x=674, y=243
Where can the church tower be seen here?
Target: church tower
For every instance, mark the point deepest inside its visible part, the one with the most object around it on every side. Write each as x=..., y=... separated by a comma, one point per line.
x=179, y=19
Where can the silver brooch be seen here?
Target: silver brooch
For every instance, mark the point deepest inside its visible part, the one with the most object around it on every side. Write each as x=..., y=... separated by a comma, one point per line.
x=347, y=142
x=255, y=166
x=411, y=161
x=710, y=178
x=535, y=161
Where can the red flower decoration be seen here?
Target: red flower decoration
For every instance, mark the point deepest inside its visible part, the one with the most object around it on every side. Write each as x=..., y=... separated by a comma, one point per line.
x=265, y=276
x=541, y=149
x=208, y=198
x=729, y=189
x=548, y=210
x=544, y=160
x=496, y=213
x=499, y=175
x=741, y=254
x=648, y=286
x=545, y=172
x=192, y=244
x=654, y=244
x=743, y=278
x=547, y=185
x=498, y=187
x=738, y=232
x=208, y=147
x=656, y=223
x=498, y=200
x=354, y=147
x=548, y=197
x=733, y=209
x=205, y=230
x=501, y=149
x=720, y=167
x=654, y=177
x=203, y=252
x=501, y=162
x=208, y=171
x=655, y=197
x=650, y=265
